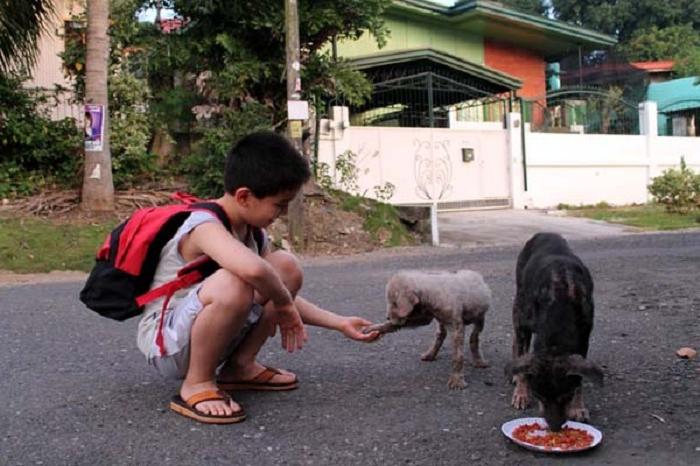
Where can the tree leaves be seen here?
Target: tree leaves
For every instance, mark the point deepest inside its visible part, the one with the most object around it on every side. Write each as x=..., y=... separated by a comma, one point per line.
x=243, y=44
x=21, y=23
x=622, y=18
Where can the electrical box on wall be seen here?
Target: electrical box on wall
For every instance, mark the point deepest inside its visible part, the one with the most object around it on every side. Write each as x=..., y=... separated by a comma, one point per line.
x=467, y=154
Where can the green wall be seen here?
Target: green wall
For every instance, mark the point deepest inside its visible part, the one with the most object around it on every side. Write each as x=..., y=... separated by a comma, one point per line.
x=413, y=33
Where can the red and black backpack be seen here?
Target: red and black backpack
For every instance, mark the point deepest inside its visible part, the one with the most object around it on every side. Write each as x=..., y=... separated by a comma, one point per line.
x=118, y=285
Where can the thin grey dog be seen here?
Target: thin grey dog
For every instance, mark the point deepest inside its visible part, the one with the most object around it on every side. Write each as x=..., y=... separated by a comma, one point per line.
x=454, y=299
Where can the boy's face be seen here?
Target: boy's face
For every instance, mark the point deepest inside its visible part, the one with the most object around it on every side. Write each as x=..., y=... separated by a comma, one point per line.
x=261, y=212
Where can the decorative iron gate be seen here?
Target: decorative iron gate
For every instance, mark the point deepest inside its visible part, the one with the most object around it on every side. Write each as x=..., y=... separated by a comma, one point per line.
x=586, y=110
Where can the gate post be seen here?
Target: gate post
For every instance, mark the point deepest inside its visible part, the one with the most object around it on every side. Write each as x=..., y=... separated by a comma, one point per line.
x=649, y=127
x=516, y=162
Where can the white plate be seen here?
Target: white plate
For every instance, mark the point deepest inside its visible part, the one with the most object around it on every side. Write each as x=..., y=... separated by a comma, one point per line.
x=510, y=426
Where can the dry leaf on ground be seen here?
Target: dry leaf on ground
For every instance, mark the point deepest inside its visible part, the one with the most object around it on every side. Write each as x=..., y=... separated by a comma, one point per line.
x=686, y=353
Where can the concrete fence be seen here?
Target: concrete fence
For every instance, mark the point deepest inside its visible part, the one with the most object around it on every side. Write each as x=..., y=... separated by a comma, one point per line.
x=480, y=166
x=591, y=168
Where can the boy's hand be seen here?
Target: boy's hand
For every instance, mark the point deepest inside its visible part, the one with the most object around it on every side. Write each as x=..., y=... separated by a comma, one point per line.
x=352, y=327
x=292, y=330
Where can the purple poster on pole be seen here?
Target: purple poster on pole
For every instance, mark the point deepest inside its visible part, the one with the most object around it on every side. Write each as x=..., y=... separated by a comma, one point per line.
x=94, y=127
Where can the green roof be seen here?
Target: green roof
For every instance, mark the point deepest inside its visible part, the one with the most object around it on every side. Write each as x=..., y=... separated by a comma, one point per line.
x=495, y=21
x=675, y=95
x=472, y=69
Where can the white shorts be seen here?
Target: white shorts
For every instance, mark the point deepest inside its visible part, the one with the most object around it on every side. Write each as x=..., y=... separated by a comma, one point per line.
x=176, y=336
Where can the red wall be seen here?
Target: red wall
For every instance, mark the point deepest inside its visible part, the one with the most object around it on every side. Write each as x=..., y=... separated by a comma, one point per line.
x=521, y=63
x=518, y=62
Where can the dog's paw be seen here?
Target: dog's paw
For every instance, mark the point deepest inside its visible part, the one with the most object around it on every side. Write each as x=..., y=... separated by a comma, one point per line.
x=480, y=364
x=579, y=413
x=520, y=399
x=456, y=382
x=429, y=356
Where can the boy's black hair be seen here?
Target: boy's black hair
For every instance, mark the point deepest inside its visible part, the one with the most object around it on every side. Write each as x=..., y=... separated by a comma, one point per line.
x=266, y=163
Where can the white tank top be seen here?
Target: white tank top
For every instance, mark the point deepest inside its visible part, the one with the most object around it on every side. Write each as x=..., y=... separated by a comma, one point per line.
x=170, y=262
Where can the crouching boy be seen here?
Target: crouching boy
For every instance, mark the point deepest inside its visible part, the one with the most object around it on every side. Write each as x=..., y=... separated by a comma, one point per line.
x=210, y=334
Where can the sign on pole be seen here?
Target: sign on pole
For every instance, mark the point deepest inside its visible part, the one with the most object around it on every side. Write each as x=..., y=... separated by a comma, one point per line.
x=94, y=127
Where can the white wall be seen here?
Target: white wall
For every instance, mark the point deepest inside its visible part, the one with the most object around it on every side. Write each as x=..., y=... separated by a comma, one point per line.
x=48, y=71
x=587, y=169
x=669, y=150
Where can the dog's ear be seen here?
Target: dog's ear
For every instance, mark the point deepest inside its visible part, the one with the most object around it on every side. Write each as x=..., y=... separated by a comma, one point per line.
x=405, y=303
x=578, y=365
x=521, y=365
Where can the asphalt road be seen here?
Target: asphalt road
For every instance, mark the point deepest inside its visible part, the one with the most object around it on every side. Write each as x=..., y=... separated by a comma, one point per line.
x=76, y=391
x=512, y=226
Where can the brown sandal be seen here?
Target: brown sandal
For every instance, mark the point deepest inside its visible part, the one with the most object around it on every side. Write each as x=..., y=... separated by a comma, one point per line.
x=261, y=382
x=188, y=408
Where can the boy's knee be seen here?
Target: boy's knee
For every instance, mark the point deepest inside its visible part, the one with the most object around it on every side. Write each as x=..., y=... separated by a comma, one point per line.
x=224, y=289
x=289, y=268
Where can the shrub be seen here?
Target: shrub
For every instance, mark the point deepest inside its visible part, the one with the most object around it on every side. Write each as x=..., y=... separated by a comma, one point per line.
x=323, y=175
x=36, y=151
x=346, y=168
x=348, y=174
x=677, y=189
x=130, y=131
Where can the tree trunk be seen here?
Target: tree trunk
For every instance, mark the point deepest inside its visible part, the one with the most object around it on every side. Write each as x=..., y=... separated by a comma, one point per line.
x=98, y=188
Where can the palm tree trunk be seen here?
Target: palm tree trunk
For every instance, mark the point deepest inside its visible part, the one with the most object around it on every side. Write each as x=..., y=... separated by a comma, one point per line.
x=98, y=188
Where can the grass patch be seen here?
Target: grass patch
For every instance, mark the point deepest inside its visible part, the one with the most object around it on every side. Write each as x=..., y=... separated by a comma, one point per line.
x=38, y=246
x=648, y=217
x=34, y=245
x=382, y=221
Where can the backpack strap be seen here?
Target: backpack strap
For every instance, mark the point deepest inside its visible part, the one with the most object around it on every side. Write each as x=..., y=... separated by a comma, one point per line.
x=216, y=209
x=258, y=233
x=185, y=198
x=259, y=237
x=193, y=272
x=190, y=274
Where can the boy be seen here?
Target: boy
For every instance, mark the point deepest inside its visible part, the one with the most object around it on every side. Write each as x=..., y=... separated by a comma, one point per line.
x=211, y=332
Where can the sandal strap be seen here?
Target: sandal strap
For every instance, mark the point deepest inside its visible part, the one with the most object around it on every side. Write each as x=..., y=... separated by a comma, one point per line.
x=207, y=395
x=266, y=375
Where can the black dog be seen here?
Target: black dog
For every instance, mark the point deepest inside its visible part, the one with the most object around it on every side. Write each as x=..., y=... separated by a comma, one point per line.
x=554, y=301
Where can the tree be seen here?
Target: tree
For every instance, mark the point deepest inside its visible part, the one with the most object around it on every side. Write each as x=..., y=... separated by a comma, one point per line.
x=622, y=18
x=646, y=29
x=21, y=23
x=98, y=188
x=660, y=44
x=535, y=7
x=241, y=45
x=229, y=58
x=678, y=43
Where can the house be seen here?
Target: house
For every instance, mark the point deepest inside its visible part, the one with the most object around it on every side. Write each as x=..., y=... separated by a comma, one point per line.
x=657, y=71
x=47, y=75
x=474, y=54
x=442, y=126
x=678, y=103
x=48, y=71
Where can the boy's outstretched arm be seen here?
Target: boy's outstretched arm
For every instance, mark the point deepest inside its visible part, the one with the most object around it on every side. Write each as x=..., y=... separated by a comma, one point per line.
x=213, y=240
x=349, y=326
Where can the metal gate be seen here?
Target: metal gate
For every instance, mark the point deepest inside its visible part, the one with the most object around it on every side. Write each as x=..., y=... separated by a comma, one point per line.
x=456, y=169
x=585, y=110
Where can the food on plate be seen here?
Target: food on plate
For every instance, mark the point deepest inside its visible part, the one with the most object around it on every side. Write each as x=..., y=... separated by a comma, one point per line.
x=568, y=438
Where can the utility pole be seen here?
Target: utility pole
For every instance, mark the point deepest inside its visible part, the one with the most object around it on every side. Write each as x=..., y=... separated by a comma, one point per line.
x=295, y=214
